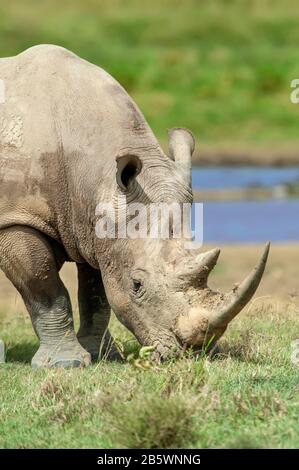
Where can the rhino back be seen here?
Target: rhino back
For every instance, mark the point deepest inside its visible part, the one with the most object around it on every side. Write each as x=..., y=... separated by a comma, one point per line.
x=62, y=122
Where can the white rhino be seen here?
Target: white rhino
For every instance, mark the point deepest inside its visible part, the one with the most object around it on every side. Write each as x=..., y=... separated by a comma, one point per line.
x=71, y=137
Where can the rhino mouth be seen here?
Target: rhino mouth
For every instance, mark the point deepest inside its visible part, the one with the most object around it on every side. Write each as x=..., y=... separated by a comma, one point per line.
x=167, y=349
x=175, y=349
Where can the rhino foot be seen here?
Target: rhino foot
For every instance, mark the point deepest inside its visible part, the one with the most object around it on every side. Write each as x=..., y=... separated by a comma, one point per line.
x=100, y=349
x=66, y=356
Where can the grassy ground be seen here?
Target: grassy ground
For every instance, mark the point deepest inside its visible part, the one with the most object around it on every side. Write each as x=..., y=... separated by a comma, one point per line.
x=222, y=68
x=247, y=396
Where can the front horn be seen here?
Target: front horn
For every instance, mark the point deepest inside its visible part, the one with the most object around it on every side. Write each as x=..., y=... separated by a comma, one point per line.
x=239, y=297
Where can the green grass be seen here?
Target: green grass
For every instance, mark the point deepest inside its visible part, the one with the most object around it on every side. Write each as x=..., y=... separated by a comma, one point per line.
x=246, y=396
x=222, y=68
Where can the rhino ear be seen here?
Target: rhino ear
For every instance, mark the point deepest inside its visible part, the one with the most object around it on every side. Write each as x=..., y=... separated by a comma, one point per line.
x=128, y=167
x=181, y=148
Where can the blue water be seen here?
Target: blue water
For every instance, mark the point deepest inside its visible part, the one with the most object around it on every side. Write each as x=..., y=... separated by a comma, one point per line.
x=248, y=221
x=240, y=177
x=251, y=221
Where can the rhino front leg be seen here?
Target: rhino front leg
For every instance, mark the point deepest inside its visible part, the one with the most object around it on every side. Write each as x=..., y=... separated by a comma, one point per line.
x=31, y=261
x=94, y=311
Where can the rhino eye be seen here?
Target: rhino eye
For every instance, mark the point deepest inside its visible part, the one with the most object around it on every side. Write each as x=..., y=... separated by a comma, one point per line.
x=136, y=286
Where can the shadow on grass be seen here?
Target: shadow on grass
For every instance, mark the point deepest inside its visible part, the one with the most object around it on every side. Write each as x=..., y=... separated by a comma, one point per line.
x=238, y=352
x=21, y=352
x=249, y=348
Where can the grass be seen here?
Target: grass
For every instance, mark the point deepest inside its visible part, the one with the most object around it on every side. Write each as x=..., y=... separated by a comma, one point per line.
x=222, y=68
x=245, y=396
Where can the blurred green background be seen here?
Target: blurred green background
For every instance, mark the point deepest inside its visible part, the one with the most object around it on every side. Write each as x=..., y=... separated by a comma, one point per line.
x=222, y=68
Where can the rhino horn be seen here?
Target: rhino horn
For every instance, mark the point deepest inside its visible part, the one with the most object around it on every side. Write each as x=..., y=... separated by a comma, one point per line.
x=181, y=148
x=217, y=310
x=240, y=296
x=199, y=267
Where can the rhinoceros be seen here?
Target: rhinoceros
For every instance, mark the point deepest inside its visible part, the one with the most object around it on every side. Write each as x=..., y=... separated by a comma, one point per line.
x=70, y=138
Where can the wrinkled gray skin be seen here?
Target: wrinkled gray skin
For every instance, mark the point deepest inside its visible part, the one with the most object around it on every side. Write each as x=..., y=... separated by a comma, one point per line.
x=71, y=137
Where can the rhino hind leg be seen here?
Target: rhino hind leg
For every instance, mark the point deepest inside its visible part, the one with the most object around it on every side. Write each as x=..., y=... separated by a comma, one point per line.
x=94, y=311
x=31, y=261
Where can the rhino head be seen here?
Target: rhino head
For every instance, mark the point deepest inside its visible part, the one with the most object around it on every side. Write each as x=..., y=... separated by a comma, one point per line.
x=159, y=288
